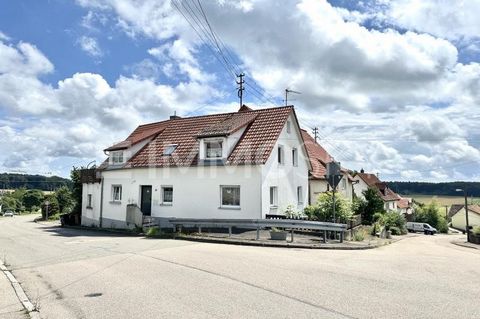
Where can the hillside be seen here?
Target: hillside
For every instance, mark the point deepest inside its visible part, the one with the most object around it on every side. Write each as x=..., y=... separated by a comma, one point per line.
x=15, y=181
x=445, y=189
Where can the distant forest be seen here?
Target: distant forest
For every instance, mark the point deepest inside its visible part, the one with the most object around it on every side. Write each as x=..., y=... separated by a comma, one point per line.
x=15, y=181
x=445, y=189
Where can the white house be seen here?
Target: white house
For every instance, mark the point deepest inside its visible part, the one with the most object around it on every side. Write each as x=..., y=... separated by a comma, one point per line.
x=318, y=184
x=363, y=181
x=235, y=165
x=458, y=218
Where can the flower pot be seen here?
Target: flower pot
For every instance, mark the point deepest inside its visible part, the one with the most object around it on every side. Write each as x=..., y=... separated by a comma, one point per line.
x=278, y=235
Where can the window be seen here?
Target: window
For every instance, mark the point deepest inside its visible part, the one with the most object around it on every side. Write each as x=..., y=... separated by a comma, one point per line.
x=89, y=201
x=169, y=149
x=230, y=196
x=280, y=155
x=295, y=157
x=273, y=196
x=117, y=157
x=344, y=183
x=213, y=149
x=167, y=195
x=116, y=193
x=299, y=195
x=288, y=127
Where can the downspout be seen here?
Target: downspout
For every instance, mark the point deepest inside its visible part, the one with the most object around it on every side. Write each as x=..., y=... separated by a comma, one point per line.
x=101, y=203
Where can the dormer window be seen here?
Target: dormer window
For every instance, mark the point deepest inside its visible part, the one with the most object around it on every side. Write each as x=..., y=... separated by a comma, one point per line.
x=169, y=149
x=117, y=157
x=213, y=149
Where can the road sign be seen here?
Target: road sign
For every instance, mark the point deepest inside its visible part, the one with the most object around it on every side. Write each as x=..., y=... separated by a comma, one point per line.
x=333, y=174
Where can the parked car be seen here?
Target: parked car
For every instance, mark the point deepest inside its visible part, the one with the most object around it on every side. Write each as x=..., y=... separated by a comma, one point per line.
x=421, y=227
x=8, y=213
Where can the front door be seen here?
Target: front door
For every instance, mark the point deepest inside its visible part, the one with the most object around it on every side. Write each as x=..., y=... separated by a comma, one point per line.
x=146, y=202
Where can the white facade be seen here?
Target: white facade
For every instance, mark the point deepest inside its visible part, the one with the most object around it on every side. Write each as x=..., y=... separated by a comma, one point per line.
x=318, y=186
x=197, y=189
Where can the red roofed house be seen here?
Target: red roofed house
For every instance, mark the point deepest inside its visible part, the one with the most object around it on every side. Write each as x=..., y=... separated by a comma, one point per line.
x=244, y=164
x=319, y=157
x=366, y=180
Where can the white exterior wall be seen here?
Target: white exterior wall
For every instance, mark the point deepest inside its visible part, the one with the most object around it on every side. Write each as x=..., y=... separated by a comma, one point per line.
x=286, y=177
x=91, y=216
x=321, y=186
x=458, y=220
x=359, y=187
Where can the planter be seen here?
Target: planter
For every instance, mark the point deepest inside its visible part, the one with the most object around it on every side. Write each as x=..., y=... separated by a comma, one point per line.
x=474, y=239
x=278, y=235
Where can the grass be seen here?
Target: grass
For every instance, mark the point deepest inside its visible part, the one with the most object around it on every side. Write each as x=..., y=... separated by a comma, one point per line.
x=441, y=199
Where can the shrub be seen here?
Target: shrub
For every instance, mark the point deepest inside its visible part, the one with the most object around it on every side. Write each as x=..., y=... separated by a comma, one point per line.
x=323, y=208
x=442, y=225
x=396, y=231
x=391, y=220
x=153, y=231
x=359, y=235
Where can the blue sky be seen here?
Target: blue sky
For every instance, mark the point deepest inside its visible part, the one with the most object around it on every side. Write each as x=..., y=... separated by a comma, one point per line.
x=397, y=78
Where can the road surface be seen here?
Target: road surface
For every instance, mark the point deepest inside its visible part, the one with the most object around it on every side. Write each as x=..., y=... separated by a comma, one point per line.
x=76, y=274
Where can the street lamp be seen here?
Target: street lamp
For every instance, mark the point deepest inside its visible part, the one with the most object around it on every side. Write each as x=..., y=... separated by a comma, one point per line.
x=467, y=227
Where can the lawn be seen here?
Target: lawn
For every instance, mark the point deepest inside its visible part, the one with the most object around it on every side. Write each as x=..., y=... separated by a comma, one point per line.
x=441, y=200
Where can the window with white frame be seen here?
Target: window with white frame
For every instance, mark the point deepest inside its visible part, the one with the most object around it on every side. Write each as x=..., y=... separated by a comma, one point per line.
x=344, y=183
x=300, y=195
x=273, y=196
x=116, y=193
x=295, y=157
x=117, y=157
x=167, y=195
x=230, y=196
x=289, y=129
x=169, y=149
x=281, y=158
x=89, y=201
x=213, y=149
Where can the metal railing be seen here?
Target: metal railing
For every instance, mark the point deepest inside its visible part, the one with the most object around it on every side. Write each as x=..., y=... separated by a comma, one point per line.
x=259, y=224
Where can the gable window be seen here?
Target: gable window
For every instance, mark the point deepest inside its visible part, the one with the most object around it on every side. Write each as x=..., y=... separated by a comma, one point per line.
x=167, y=195
x=289, y=129
x=273, y=196
x=280, y=155
x=230, y=196
x=116, y=193
x=169, y=149
x=213, y=149
x=89, y=201
x=299, y=195
x=117, y=157
x=294, y=157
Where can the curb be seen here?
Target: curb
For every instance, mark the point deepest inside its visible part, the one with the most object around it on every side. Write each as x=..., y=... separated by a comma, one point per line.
x=465, y=245
x=275, y=245
x=22, y=297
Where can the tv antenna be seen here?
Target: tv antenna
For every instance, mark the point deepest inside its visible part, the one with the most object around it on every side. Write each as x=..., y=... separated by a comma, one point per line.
x=286, y=95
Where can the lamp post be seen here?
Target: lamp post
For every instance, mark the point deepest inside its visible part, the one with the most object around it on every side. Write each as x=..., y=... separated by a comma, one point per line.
x=467, y=227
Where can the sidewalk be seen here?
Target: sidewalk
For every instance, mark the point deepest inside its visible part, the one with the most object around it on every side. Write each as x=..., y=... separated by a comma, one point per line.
x=10, y=306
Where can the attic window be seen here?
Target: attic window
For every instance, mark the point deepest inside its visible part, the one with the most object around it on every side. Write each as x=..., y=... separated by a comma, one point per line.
x=169, y=149
x=213, y=149
x=117, y=157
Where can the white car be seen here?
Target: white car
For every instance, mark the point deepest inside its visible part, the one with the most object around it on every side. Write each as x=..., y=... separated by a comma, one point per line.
x=8, y=213
x=421, y=227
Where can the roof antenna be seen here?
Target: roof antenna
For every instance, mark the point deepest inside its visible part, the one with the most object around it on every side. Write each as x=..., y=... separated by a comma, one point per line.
x=240, y=88
x=286, y=95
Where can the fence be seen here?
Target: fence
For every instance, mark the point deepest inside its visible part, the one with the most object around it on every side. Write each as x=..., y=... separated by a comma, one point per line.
x=259, y=224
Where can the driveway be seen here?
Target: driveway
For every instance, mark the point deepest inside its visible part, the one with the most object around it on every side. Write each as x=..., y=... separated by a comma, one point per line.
x=89, y=274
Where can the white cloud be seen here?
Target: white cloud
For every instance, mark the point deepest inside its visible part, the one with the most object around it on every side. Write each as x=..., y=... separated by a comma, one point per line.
x=4, y=37
x=90, y=46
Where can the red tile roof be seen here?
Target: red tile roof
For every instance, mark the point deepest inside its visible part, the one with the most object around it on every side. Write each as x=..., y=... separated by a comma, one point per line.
x=254, y=147
x=318, y=156
x=385, y=192
x=139, y=134
x=403, y=202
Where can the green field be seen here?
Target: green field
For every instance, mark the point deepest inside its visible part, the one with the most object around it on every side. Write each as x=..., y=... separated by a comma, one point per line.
x=441, y=200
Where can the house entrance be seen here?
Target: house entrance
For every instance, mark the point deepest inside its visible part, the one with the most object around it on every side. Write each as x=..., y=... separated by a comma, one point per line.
x=146, y=202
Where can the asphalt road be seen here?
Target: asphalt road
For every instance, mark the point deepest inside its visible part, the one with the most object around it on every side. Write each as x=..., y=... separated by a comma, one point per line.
x=75, y=274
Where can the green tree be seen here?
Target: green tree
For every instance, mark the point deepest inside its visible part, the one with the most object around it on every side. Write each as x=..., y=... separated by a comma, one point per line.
x=323, y=208
x=31, y=198
x=373, y=204
x=431, y=215
x=392, y=221
x=9, y=202
x=52, y=206
x=64, y=199
x=76, y=194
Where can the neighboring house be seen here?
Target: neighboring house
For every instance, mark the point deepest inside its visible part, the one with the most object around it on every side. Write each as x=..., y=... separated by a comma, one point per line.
x=366, y=180
x=319, y=157
x=453, y=210
x=405, y=207
x=244, y=164
x=458, y=218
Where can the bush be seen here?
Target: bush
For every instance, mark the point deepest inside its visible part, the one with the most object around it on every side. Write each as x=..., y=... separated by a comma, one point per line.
x=359, y=235
x=323, y=208
x=442, y=225
x=396, y=231
x=392, y=221
x=153, y=231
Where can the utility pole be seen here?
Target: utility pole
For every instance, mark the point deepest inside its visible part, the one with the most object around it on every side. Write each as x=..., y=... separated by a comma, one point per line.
x=446, y=213
x=286, y=95
x=315, y=133
x=240, y=87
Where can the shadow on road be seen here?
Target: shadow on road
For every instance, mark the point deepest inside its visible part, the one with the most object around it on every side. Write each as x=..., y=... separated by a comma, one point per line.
x=81, y=232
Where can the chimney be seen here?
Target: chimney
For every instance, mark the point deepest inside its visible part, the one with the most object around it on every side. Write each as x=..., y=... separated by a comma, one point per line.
x=362, y=170
x=174, y=116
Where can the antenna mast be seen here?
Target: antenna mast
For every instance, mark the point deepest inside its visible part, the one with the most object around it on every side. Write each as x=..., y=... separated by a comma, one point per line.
x=286, y=95
x=240, y=87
